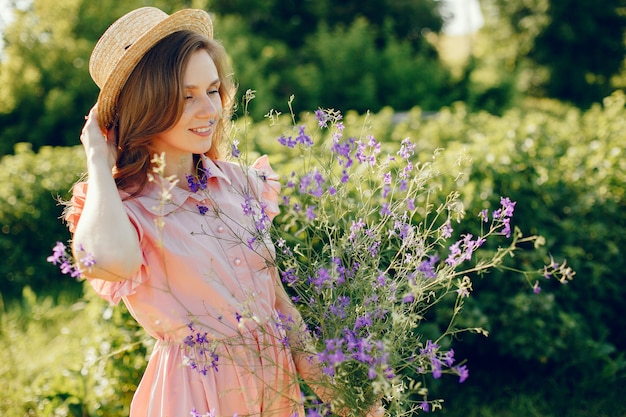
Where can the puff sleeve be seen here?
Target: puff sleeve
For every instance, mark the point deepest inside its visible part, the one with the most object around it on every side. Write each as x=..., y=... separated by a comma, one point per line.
x=112, y=291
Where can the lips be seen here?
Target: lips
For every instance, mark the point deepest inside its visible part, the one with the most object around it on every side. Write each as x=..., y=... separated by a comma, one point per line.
x=202, y=129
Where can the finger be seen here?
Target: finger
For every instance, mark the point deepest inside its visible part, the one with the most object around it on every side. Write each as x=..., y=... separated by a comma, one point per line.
x=377, y=412
x=111, y=135
x=91, y=129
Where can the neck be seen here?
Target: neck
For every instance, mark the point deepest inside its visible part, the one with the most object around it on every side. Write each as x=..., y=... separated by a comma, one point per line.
x=179, y=167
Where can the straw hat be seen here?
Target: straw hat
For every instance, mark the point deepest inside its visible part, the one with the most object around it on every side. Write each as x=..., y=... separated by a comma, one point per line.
x=127, y=40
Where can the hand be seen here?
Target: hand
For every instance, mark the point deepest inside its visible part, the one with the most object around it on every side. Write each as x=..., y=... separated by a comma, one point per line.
x=377, y=410
x=96, y=143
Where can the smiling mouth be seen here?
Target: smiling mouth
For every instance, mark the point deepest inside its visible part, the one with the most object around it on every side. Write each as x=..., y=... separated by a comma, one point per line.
x=202, y=129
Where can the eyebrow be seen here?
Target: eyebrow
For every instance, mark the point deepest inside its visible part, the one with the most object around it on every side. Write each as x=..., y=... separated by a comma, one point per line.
x=192, y=87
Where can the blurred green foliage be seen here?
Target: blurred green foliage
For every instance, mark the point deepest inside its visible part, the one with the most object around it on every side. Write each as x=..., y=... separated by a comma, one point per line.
x=30, y=186
x=347, y=55
x=547, y=355
x=76, y=359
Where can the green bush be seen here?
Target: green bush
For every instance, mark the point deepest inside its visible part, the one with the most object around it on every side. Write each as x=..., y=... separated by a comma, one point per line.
x=566, y=170
x=564, y=167
x=30, y=184
x=345, y=67
x=72, y=359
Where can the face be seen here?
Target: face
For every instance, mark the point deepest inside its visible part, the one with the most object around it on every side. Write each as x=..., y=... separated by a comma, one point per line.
x=193, y=133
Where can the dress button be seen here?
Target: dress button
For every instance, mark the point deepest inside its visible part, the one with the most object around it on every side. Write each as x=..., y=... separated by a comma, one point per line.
x=220, y=229
x=237, y=261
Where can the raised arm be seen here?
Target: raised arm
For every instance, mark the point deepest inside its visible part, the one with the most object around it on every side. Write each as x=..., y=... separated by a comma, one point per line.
x=104, y=230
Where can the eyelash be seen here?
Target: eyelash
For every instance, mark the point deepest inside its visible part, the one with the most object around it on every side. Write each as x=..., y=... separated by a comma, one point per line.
x=215, y=91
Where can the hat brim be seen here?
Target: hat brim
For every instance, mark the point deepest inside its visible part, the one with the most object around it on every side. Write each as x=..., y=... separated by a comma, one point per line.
x=188, y=19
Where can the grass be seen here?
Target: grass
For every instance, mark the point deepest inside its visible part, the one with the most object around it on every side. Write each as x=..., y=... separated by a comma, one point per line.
x=83, y=358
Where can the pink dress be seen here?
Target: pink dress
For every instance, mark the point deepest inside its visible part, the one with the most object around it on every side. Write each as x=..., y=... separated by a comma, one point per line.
x=205, y=269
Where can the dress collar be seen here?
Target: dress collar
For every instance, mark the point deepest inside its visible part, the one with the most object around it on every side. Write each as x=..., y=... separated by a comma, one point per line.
x=161, y=198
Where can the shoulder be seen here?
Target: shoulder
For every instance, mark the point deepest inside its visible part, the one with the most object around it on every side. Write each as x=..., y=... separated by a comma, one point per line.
x=260, y=169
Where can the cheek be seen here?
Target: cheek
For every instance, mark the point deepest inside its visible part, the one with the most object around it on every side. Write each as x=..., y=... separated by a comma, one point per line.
x=219, y=103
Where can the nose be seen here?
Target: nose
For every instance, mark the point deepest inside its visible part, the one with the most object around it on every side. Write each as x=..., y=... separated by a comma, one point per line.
x=210, y=106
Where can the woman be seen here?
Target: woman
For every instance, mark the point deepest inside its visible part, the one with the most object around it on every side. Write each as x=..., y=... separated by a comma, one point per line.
x=176, y=245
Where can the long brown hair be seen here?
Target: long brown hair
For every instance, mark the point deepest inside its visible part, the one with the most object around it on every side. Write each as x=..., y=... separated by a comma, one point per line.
x=152, y=101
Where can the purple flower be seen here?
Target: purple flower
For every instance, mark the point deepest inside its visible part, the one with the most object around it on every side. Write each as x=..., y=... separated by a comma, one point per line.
x=196, y=413
x=289, y=276
x=409, y=298
x=381, y=279
x=363, y=321
x=262, y=220
x=407, y=149
x=202, y=209
x=386, y=190
x=287, y=141
x=198, y=182
x=410, y=204
x=455, y=255
x=436, y=364
x=247, y=205
x=322, y=118
x=58, y=253
x=202, y=356
x=374, y=248
x=60, y=257
x=448, y=357
x=463, y=249
x=484, y=215
x=339, y=307
x=463, y=373
x=430, y=349
x=88, y=260
x=506, y=228
x=234, y=150
x=446, y=230
x=312, y=183
x=508, y=206
x=360, y=154
x=69, y=269
x=310, y=213
x=355, y=228
x=406, y=171
x=303, y=138
x=546, y=273
x=313, y=412
x=284, y=322
x=322, y=277
x=427, y=267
